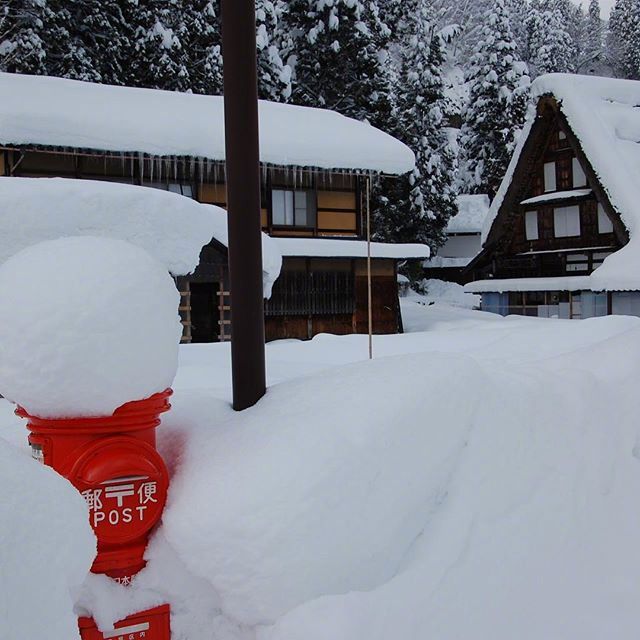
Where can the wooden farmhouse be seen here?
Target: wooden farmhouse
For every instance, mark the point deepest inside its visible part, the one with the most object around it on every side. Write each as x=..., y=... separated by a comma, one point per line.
x=315, y=168
x=561, y=236
x=463, y=242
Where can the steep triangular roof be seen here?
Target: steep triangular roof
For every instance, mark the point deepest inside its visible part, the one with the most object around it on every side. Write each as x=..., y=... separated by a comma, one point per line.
x=601, y=117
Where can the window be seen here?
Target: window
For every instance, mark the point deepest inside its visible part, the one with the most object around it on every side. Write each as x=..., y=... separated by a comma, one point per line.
x=566, y=221
x=604, y=221
x=562, y=135
x=531, y=225
x=577, y=262
x=293, y=208
x=549, y=176
x=183, y=189
x=579, y=177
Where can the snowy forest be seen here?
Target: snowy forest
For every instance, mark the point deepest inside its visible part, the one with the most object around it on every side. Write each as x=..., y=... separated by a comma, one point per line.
x=450, y=78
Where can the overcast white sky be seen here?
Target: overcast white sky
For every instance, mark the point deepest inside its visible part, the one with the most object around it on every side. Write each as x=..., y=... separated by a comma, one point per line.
x=604, y=4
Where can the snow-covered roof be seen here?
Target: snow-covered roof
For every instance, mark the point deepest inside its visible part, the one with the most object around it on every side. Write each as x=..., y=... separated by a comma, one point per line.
x=562, y=283
x=169, y=226
x=556, y=196
x=610, y=279
x=604, y=115
x=47, y=111
x=472, y=211
x=332, y=248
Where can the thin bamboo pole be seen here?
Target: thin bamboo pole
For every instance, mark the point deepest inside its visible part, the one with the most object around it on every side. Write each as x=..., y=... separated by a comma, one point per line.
x=369, y=295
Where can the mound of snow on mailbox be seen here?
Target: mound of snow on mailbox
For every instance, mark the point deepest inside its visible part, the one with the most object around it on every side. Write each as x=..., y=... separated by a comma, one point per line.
x=46, y=549
x=86, y=324
x=486, y=493
x=171, y=227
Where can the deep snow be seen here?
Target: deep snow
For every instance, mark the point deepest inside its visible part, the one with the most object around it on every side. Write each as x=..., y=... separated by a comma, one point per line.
x=46, y=548
x=476, y=480
x=57, y=112
x=86, y=324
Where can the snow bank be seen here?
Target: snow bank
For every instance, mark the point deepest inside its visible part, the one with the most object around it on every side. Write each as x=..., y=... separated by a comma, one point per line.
x=171, y=227
x=445, y=292
x=332, y=495
x=534, y=535
x=48, y=111
x=331, y=248
x=46, y=549
x=369, y=501
x=86, y=324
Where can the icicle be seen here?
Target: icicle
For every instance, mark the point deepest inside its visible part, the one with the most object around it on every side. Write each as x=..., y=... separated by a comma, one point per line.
x=141, y=166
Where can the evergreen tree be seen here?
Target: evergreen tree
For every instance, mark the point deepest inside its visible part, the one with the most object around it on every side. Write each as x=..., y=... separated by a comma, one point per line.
x=593, y=55
x=624, y=38
x=416, y=208
x=23, y=40
x=341, y=58
x=498, y=93
x=204, y=46
x=159, y=58
x=274, y=77
x=550, y=46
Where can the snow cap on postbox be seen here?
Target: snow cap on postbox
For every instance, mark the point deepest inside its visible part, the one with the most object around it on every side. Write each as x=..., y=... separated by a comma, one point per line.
x=86, y=325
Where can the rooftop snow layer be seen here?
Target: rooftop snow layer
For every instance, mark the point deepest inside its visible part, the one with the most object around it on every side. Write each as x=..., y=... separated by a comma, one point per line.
x=604, y=114
x=561, y=283
x=169, y=226
x=558, y=195
x=330, y=248
x=472, y=211
x=47, y=111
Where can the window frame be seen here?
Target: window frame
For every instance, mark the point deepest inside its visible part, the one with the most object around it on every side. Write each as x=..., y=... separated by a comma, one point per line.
x=530, y=217
x=558, y=213
x=311, y=197
x=550, y=177
x=605, y=224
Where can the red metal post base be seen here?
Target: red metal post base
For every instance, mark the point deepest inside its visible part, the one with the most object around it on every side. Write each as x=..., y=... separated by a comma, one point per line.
x=152, y=624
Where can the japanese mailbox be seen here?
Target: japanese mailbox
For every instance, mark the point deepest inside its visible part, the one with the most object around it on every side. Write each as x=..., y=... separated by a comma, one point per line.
x=113, y=462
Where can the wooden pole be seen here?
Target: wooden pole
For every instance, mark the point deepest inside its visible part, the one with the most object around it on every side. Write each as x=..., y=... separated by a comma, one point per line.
x=243, y=199
x=369, y=296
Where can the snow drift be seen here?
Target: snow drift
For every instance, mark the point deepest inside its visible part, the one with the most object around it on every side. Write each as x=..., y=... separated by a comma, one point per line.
x=86, y=324
x=485, y=493
x=46, y=549
x=171, y=227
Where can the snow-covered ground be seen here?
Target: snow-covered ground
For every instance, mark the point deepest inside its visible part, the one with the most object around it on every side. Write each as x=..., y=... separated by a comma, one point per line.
x=476, y=480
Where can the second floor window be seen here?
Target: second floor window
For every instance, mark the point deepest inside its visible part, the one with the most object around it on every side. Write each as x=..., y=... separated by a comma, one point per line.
x=566, y=221
x=293, y=208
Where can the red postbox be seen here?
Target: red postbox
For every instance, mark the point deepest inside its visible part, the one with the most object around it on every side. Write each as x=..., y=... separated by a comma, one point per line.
x=113, y=462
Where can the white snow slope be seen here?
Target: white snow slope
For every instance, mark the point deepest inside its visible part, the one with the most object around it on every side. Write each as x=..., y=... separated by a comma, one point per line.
x=476, y=480
x=51, y=111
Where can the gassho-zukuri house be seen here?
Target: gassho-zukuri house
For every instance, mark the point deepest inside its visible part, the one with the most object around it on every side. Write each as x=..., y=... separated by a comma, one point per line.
x=563, y=233
x=315, y=164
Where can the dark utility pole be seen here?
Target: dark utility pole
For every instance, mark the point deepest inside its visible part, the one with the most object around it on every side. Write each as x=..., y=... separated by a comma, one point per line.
x=243, y=200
